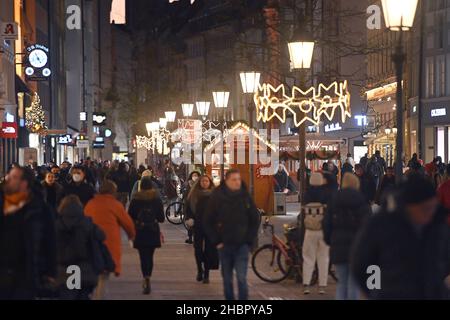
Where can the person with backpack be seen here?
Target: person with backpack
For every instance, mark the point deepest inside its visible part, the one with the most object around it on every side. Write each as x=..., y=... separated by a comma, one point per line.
x=314, y=249
x=345, y=215
x=75, y=234
x=146, y=210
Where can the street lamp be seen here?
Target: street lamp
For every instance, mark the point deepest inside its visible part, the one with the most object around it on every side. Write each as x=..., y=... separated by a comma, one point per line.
x=301, y=49
x=203, y=104
x=221, y=96
x=188, y=109
x=152, y=127
x=399, y=16
x=163, y=123
x=170, y=116
x=250, y=82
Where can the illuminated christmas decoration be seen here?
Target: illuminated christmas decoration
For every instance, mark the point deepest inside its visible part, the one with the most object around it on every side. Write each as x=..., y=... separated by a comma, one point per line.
x=144, y=142
x=310, y=105
x=35, y=116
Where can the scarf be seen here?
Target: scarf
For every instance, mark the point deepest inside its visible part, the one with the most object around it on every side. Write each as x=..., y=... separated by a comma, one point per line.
x=14, y=202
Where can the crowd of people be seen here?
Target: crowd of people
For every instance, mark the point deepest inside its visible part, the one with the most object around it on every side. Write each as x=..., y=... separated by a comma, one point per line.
x=370, y=220
x=57, y=217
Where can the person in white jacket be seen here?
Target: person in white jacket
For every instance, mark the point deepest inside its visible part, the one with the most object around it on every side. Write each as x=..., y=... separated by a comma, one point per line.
x=314, y=247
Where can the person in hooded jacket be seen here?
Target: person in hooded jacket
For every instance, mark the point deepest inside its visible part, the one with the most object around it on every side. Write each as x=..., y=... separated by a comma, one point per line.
x=74, y=236
x=346, y=212
x=206, y=255
x=79, y=186
x=146, y=210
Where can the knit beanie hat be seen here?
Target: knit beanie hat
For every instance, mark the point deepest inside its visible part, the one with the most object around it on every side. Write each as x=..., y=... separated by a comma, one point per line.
x=416, y=189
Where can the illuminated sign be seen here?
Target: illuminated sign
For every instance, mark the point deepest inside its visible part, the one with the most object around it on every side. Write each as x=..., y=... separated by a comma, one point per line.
x=333, y=127
x=439, y=112
x=362, y=120
x=83, y=116
x=99, y=118
x=9, y=31
x=9, y=130
x=65, y=139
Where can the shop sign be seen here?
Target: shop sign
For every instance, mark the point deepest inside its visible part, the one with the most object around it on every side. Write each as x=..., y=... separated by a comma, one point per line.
x=65, y=139
x=99, y=118
x=82, y=144
x=441, y=112
x=9, y=31
x=9, y=130
x=333, y=127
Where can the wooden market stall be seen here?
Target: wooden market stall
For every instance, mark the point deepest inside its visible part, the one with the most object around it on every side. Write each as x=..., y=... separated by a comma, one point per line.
x=237, y=148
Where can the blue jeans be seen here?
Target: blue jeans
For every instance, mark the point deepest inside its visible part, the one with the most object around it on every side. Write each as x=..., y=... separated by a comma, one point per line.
x=347, y=288
x=234, y=258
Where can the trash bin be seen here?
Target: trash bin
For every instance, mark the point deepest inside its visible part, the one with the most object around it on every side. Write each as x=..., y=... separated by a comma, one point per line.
x=279, y=204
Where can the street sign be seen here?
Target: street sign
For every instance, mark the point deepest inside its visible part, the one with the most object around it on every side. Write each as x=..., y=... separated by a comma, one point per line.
x=9, y=31
x=82, y=144
x=9, y=130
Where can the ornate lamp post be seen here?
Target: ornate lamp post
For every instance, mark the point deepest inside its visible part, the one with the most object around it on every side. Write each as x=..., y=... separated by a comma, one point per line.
x=203, y=105
x=221, y=97
x=250, y=81
x=301, y=49
x=399, y=16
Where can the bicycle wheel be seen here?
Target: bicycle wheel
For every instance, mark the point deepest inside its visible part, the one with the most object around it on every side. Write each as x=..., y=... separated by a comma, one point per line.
x=266, y=264
x=174, y=213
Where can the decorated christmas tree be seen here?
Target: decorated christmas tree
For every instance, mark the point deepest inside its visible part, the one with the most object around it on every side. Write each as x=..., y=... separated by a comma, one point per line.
x=35, y=116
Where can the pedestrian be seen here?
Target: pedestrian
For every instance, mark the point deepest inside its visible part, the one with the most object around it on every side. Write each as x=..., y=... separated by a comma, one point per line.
x=231, y=224
x=367, y=183
x=345, y=215
x=110, y=215
x=52, y=190
x=281, y=180
x=206, y=255
x=435, y=170
x=146, y=210
x=376, y=168
x=137, y=184
x=27, y=238
x=171, y=183
x=387, y=185
x=79, y=186
x=444, y=193
x=189, y=184
x=408, y=243
x=74, y=236
x=314, y=249
x=363, y=161
x=414, y=161
x=122, y=179
x=348, y=165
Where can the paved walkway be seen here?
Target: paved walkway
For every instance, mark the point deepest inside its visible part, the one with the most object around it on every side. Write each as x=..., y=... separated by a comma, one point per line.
x=175, y=271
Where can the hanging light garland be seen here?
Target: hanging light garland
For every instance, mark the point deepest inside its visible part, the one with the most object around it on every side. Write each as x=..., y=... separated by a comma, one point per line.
x=311, y=105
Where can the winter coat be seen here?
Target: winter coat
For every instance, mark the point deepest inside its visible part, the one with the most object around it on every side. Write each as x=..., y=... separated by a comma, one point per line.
x=386, y=185
x=123, y=181
x=368, y=187
x=320, y=194
x=281, y=180
x=413, y=265
x=149, y=235
x=137, y=188
x=109, y=214
x=346, y=213
x=39, y=242
x=74, y=236
x=231, y=217
x=56, y=189
x=444, y=196
x=84, y=191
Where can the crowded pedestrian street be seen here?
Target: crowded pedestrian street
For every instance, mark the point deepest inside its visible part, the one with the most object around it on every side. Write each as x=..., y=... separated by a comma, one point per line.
x=224, y=157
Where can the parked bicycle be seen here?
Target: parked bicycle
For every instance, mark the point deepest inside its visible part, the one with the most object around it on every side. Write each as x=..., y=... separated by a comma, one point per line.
x=281, y=259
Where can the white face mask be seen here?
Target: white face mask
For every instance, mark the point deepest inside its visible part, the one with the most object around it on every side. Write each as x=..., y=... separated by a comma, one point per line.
x=77, y=178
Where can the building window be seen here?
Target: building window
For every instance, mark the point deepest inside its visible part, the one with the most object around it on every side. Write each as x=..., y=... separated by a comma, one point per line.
x=441, y=76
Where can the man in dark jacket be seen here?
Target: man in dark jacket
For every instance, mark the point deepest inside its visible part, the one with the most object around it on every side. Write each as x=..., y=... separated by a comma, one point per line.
x=79, y=186
x=368, y=184
x=27, y=238
x=231, y=223
x=404, y=253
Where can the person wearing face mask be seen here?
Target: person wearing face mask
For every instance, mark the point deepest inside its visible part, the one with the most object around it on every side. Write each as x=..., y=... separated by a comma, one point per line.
x=78, y=186
x=52, y=190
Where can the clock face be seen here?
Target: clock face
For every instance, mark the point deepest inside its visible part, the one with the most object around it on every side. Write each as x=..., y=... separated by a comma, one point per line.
x=38, y=58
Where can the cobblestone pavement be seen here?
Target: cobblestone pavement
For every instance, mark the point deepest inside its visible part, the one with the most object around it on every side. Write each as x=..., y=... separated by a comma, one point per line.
x=174, y=273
